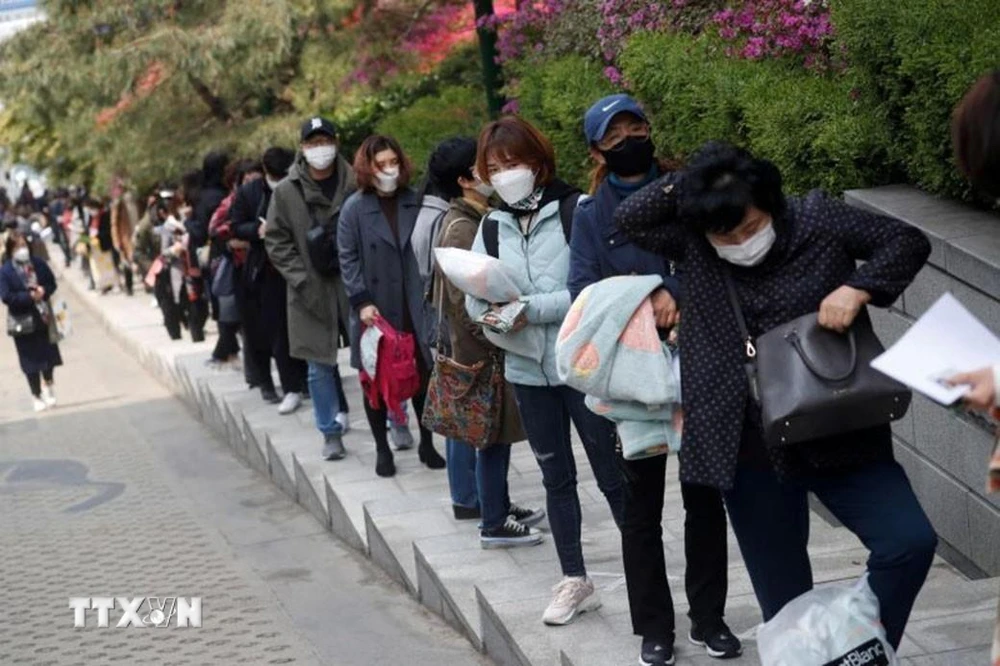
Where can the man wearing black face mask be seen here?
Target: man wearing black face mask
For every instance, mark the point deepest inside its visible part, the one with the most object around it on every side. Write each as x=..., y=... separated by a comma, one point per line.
x=618, y=135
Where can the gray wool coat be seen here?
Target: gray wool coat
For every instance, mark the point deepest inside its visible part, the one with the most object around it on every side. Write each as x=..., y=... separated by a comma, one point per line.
x=314, y=301
x=378, y=271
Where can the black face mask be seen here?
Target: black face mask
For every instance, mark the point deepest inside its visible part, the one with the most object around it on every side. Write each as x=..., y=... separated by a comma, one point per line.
x=632, y=156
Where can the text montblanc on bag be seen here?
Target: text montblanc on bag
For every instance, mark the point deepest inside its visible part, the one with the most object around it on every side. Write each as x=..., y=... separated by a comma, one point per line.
x=871, y=653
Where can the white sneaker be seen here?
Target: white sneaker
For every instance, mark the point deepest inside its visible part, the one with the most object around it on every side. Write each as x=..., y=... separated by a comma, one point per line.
x=344, y=419
x=290, y=403
x=40, y=405
x=573, y=595
x=48, y=396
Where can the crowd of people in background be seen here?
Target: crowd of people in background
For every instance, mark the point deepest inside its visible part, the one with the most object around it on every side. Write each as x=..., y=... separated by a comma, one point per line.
x=298, y=253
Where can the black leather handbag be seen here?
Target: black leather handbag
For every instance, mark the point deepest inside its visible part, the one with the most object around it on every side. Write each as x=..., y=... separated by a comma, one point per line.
x=811, y=382
x=20, y=325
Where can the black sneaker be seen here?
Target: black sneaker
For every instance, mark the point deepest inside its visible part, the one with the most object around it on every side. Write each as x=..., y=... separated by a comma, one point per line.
x=270, y=396
x=525, y=516
x=511, y=535
x=656, y=652
x=717, y=640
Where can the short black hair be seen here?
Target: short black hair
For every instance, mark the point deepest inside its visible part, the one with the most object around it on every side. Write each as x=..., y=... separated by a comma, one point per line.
x=721, y=181
x=453, y=159
x=213, y=168
x=277, y=161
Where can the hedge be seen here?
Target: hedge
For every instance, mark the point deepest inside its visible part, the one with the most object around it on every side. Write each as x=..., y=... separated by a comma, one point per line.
x=808, y=124
x=916, y=59
x=885, y=119
x=554, y=96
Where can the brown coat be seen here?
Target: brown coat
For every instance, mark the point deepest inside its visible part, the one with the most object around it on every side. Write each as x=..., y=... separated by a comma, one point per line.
x=468, y=344
x=124, y=217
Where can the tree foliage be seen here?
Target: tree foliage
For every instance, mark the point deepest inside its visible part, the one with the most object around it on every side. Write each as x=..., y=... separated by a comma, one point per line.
x=147, y=86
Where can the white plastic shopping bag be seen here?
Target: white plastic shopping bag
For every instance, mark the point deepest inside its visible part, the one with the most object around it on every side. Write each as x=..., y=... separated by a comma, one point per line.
x=834, y=625
x=478, y=275
x=64, y=323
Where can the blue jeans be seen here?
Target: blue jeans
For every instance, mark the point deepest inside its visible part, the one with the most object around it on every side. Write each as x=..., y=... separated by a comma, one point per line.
x=546, y=412
x=462, y=473
x=326, y=404
x=479, y=479
x=875, y=502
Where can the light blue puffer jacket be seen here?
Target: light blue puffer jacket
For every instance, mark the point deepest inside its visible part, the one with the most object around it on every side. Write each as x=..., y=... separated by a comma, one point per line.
x=540, y=263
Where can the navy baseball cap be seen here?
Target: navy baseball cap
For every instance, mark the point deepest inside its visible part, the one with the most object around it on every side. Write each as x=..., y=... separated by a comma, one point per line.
x=318, y=125
x=598, y=117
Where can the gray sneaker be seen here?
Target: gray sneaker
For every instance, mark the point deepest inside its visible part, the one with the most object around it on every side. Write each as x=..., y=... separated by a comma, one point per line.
x=401, y=438
x=333, y=449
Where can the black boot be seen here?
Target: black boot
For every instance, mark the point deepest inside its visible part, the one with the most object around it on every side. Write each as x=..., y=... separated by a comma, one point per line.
x=429, y=456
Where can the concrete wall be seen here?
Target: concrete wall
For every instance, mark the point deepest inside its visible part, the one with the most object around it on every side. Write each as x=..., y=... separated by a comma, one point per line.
x=944, y=451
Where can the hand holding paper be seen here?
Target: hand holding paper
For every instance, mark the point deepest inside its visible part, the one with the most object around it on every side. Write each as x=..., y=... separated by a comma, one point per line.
x=947, y=341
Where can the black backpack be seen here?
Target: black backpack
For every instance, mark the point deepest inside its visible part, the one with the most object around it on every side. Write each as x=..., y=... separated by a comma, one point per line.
x=491, y=226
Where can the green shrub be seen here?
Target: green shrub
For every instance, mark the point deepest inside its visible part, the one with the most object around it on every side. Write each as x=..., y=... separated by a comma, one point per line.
x=809, y=125
x=453, y=111
x=916, y=59
x=688, y=87
x=554, y=96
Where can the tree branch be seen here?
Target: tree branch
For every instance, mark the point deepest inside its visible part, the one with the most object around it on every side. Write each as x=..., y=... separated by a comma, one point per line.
x=216, y=104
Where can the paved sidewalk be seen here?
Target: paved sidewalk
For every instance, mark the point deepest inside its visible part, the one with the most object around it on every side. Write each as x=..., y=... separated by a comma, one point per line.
x=496, y=597
x=121, y=491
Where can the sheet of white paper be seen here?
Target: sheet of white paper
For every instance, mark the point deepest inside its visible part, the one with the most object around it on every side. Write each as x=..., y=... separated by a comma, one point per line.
x=947, y=340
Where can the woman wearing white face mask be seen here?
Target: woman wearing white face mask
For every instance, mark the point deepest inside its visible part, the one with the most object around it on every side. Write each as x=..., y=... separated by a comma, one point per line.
x=726, y=218
x=530, y=235
x=381, y=275
x=26, y=285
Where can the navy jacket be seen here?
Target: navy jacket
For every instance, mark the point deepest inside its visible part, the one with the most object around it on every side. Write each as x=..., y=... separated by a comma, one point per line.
x=599, y=249
x=34, y=351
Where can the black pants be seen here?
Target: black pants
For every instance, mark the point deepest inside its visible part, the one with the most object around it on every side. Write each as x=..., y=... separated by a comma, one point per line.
x=35, y=381
x=377, y=417
x=705, y=551
x=228, y=344
x=124, y=269
x=197, y=312
x=344, y=407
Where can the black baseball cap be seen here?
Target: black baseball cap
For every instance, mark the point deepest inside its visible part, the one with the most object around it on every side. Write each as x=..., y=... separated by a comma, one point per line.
x=318, y=125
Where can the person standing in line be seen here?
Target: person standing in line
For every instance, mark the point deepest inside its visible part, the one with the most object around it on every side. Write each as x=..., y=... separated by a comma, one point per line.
x=124, y=218
x=779, y=258
x=26, y=287
x=227, y=269
x=529, y=233
x=382, y=278
x=265, y=301
x=312, y=195
x=618, y=135
x=477, y=478
x=975, y=133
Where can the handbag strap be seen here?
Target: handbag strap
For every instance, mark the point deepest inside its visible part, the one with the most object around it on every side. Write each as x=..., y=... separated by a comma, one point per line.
x=749, y=348
x=796, y=342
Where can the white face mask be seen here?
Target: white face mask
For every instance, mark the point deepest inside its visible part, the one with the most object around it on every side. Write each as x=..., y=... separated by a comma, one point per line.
x=750, y=252
x=515, y=184
x=22, y=255
x=272, y=183
x=320, y=157
x=387, y=181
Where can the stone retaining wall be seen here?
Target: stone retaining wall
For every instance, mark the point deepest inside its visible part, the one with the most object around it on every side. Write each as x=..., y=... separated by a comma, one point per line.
x=944, y=451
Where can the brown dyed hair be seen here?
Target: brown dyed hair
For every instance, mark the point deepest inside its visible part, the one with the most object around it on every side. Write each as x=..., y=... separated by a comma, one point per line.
x=975, y=134
x=364, y=161
x=515, y=140
x=9, y=244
